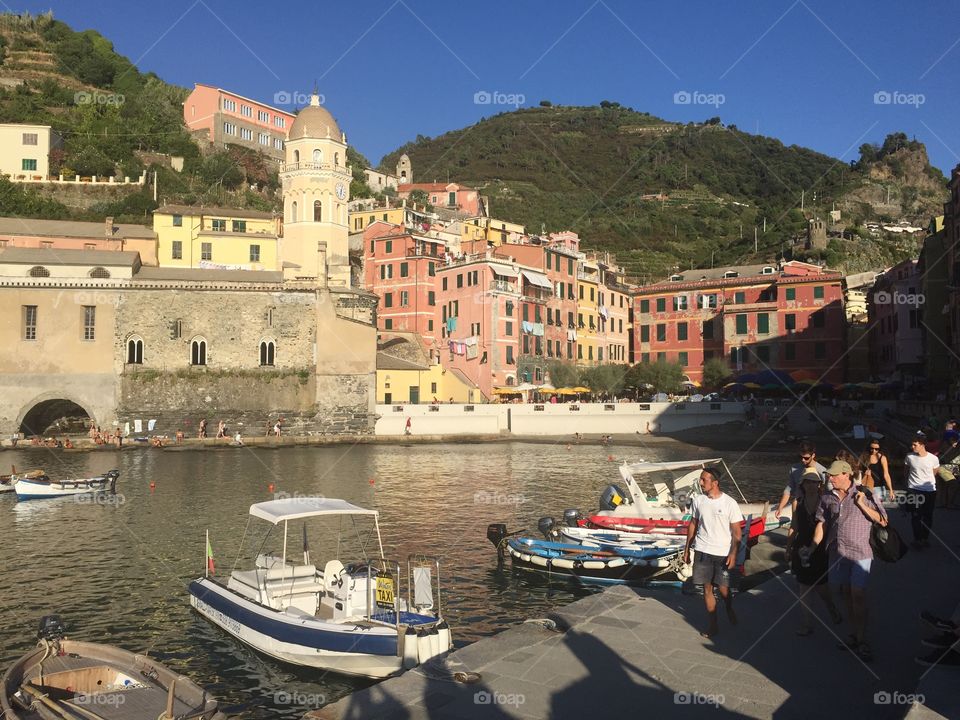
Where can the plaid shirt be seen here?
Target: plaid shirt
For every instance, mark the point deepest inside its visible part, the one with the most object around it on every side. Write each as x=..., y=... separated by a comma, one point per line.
x=847, y=528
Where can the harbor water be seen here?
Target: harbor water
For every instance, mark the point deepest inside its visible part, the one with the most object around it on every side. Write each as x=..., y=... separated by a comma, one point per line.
x=117, y=568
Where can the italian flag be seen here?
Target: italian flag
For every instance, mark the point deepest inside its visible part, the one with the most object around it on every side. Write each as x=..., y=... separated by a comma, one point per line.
x=210, y=567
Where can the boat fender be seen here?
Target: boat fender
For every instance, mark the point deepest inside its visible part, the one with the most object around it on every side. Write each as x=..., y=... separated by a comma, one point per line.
x=446, y=638
x=563, y=563
x=410, y=654
x=616, y=562
x=537, y=560
x=423, y=646
x=433, y=636
x=593, y=565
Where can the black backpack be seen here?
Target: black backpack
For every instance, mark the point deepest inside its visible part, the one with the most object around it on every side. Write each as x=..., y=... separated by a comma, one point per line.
x=886, y=543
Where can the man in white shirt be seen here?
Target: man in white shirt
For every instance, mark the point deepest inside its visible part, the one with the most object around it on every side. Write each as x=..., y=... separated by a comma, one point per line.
x=921, y=468
x=714, y=533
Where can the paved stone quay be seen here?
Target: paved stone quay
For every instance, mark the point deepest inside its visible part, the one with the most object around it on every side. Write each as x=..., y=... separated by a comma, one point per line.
x=639, y=653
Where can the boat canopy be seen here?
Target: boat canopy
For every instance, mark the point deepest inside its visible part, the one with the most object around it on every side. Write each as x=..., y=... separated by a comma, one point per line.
x=641, y=468
x=278, y=511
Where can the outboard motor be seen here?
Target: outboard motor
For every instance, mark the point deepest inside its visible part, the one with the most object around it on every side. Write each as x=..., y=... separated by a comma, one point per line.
x=683, y=499
x=612, y=497
x=571, y=517
x=548, y=526
x=496, y=532
x=51, y=628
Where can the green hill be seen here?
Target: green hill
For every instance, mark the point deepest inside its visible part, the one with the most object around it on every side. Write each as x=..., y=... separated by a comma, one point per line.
x=656, y=193
x=108, y=113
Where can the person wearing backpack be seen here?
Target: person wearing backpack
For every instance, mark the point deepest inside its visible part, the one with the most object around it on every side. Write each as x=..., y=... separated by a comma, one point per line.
x=844, y=520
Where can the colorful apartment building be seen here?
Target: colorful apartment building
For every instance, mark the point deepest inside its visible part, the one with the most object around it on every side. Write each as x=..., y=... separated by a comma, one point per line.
x=491, y=230
x=25, y=150
x=450, y=196
x=896, y=305
x=73, y=235
x=212, y=237
x=401, y=267
x=783, y=317
x=224, y=118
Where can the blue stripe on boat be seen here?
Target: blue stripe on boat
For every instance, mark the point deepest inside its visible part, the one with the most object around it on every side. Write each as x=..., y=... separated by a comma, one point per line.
x=346, y=641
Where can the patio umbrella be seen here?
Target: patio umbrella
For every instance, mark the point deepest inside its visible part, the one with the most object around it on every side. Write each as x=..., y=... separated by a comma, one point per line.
x=546, y=387
x=506, y=391
x=565, y=391
x=751, y=386
x=582, y=389
x=804, y=376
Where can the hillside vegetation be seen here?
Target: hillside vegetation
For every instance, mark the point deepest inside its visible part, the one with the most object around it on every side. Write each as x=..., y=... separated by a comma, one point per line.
x=663, y=195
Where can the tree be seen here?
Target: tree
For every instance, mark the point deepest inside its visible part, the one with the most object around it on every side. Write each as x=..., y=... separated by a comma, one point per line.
x=420, y=197
x=546, y=103
x=605, y=379
x=715, y=373
x=662, y=376
x=563, y=374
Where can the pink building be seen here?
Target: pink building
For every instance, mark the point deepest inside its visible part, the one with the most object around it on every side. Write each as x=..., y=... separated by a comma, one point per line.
x=451, y=196
x=559, y=263
x=72, y=235
x=401, y=268
x=223, y=117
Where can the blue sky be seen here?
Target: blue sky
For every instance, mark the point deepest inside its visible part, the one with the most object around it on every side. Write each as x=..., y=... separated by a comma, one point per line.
x=826, y=75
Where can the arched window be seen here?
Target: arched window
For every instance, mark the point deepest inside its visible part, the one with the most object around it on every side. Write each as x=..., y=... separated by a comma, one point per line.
x=336, y=159
x=403, y=175
x=296, y=156
x=317, y=211
x=318, y=156
x=198, y=352
x=293, y=212
x=39, y=271
x=99, y=272
x=134, y=351
x=267, y=352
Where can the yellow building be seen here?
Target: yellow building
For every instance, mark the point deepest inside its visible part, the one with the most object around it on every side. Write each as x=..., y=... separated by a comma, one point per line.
x=211, y=237
x=408, y=374
x=495, y=232
x=589, y=346
x=362, y=217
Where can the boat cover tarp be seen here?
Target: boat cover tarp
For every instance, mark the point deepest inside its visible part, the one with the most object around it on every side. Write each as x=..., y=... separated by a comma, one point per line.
x=277, y=511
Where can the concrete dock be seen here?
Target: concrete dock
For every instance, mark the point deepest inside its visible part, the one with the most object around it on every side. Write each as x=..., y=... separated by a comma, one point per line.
x=639, y=653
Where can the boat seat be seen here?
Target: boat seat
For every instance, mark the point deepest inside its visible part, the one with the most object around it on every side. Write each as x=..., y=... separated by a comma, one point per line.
x=297, y=612
x=332, y=576
x=662, y=491
x=290, y=572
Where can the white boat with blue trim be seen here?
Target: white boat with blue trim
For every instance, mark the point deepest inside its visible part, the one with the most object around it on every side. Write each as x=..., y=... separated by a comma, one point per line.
x=34, y=487
x=350, y=619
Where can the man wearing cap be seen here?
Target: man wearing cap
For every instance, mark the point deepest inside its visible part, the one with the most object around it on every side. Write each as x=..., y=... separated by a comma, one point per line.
x=714, y=532
x=844, y=519
x=921, y=468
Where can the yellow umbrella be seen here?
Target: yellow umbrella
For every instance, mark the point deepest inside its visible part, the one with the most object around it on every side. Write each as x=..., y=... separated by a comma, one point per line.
x=582, y=389
x=506, y=391
x=565, y=391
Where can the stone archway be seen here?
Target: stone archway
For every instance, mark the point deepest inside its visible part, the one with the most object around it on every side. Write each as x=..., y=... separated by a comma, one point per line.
x=58, y=415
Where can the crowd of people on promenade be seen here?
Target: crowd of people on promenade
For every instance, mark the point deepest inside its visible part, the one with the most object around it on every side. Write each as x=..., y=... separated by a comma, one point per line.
x=834, y=509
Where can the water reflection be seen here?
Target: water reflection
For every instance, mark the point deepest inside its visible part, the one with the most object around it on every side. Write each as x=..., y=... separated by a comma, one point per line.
x=118, y=572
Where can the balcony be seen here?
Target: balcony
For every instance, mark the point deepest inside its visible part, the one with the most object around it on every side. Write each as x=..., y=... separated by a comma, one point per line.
x=293, y=167
x=504, y=287
x=535, y=299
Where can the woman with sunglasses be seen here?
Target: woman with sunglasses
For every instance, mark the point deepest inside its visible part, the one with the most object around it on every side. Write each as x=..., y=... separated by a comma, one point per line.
x=877, y=475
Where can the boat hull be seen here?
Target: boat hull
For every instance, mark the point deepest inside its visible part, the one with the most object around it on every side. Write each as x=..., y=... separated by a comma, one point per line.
x=587, y=565
x=82, y=661
x=31, y=489
x=673, y=527
x=370, y=651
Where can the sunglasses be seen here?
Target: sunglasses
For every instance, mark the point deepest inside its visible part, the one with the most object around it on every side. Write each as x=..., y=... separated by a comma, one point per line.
x=874, y=447
x=806, y=457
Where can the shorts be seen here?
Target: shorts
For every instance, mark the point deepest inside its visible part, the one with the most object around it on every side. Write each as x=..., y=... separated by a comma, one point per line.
x=710, y=569
x=844, y=571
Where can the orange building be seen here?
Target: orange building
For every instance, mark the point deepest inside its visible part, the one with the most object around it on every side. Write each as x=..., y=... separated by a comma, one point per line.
x=72, y=235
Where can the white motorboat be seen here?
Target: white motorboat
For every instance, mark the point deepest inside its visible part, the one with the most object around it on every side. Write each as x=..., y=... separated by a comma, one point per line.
x=69, y=680
x=350, y=619
x=32, y=488
x=667, y=503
